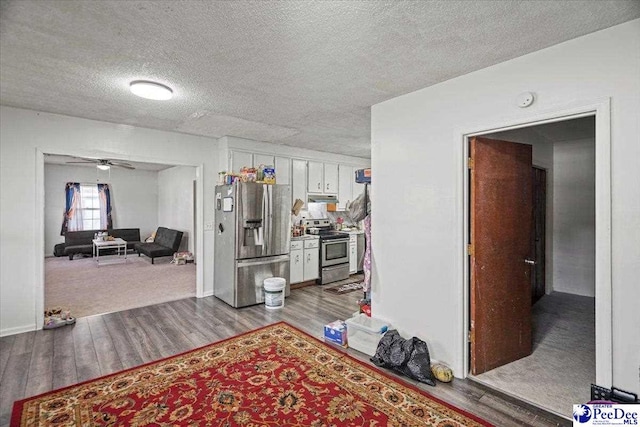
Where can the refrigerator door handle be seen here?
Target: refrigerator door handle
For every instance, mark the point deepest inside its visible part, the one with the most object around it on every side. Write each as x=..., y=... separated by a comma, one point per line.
x=263, y=261
x=264, y=222
x=266, y=219
x=269, y=190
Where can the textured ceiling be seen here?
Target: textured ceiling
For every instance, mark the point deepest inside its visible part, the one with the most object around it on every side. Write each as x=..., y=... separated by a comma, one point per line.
x=292, y=72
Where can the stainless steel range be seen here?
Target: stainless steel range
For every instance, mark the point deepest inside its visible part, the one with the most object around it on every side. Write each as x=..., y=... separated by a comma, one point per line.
x=334, y=250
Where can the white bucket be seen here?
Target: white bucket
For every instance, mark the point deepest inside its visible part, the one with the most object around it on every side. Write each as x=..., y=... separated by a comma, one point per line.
x=274, y=292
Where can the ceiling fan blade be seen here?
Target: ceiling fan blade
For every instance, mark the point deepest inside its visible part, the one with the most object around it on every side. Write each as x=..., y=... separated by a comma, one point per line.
x=88, y=161
x=121, y=165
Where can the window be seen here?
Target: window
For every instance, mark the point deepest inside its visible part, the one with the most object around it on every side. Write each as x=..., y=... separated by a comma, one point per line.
x=90, y=207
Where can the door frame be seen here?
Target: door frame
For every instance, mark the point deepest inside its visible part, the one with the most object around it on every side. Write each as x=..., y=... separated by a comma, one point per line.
x=601, y=109
x=534, y=253
x=39, y=216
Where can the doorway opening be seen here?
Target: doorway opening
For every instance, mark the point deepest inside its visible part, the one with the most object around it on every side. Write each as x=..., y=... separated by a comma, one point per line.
x=144, y=196
x=532, y=264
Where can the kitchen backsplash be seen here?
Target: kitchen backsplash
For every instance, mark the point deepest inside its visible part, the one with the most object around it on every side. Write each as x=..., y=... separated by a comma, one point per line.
x=319, y=211
x=347, y=222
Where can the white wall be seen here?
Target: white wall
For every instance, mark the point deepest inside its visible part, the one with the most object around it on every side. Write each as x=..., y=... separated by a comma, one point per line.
x=416, y=159
x=134, y=198
x=24, y=134
x=574, y=217
x=175, y=202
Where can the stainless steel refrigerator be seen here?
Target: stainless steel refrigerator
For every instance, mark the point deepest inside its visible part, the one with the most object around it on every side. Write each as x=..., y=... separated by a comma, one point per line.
x=253, y=235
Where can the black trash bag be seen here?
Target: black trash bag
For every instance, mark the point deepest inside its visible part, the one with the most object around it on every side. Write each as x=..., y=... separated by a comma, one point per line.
x=408, y=357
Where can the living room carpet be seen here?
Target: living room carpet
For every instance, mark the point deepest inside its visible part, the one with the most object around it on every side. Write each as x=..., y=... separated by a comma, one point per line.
x=87, y=289
x=276, y=375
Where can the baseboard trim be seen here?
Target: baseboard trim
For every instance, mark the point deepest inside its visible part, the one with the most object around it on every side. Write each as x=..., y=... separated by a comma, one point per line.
x=207, y=294
x=17, y=330
x=302, y=284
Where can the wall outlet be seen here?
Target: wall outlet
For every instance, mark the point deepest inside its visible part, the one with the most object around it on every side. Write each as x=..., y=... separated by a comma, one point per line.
x=208, y=226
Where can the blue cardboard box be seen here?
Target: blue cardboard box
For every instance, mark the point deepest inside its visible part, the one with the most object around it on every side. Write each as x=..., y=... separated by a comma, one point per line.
x=363, y=176
x=336, y=332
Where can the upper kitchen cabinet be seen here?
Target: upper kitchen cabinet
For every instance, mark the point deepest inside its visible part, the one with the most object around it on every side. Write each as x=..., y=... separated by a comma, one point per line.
x=240, y=159
x=346, y=180
x=330, y=178
x=283, y=170
x=314, y=177
x=263, y=159
x=298, y=180
x=322, y=178
x=307, y=172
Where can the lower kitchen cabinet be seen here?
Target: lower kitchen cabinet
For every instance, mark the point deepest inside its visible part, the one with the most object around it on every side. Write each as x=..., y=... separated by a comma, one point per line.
x=305, y=260
x=311, y=259
x=296, y=274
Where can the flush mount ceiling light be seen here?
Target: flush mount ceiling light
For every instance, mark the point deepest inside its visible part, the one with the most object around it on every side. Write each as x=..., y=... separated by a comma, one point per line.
x=151, y=90
x=103, y=167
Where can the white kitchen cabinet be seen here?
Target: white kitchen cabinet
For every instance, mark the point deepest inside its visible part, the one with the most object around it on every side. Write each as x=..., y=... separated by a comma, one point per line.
x=345, y=182
x=240, y=159
x=296, y=273
x=263, y=159
x=353, y=253
x=314, y=177
x=298, y=180
x=305, y=260
x=330, y=178
x=322, y=178
x=283, y=170
x=311, y=259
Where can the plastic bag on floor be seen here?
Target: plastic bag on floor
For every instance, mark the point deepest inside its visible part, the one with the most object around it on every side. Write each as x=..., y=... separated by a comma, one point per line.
x=408, y=357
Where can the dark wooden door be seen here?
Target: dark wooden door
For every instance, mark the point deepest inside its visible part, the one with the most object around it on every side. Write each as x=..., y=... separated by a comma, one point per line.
x=500, y=226
x=539, y=189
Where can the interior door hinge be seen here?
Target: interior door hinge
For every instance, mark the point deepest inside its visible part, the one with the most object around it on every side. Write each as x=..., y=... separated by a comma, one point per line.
x=470, y=250
x=470, y=163
x=469, y=336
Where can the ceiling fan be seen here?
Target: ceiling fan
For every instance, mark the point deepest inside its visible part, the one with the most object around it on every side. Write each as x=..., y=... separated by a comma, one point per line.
x=105, y=164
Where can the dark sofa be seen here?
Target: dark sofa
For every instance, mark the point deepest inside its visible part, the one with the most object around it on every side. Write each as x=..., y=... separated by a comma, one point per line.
x=81, y=242
x=166, y=243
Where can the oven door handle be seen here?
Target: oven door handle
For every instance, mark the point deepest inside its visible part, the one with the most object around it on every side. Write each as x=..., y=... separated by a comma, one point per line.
x=334, y=241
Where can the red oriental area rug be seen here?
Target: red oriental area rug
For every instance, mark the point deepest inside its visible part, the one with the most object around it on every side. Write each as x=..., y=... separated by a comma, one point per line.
x=274, y=376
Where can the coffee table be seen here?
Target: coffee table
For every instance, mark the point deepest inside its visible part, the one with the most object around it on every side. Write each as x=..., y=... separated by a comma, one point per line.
x=119, y=244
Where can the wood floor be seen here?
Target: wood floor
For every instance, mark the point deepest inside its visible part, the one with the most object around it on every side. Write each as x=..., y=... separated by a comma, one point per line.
x=36, y=362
